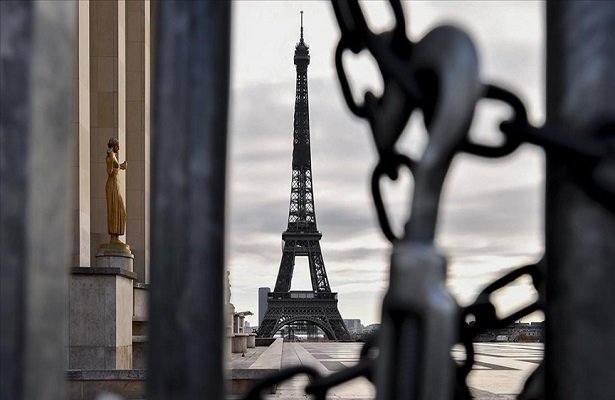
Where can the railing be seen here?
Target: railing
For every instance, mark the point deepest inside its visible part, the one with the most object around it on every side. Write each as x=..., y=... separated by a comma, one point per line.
x=192, y=65
x=301, y=295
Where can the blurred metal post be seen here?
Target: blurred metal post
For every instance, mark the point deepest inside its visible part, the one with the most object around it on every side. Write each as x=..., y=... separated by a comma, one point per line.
x=186, y=358
x=580, y=232
x=36, y=139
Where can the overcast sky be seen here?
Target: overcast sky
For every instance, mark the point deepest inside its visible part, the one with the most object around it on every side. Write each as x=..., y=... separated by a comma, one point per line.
x=490, y=216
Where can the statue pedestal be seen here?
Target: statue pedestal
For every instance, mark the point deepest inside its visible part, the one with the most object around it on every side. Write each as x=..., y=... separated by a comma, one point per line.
x=100, y=313
x=239, y=343
x=251, y=340
x=115, y=255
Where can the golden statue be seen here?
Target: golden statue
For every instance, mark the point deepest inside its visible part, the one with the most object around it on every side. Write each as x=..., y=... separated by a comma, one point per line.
x=116, y=211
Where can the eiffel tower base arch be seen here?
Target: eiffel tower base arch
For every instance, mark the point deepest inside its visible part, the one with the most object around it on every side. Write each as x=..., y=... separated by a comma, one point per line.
x=320, y=309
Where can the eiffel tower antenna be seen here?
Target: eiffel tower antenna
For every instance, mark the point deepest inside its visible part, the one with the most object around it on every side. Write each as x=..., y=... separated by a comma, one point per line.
x=302, y=239
x=301, y=39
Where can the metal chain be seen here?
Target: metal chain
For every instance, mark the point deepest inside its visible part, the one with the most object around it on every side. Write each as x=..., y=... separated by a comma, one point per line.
x=389, y=55
x=485, y=317
x=588, y=159
x=319, y=384
x=265, y=384
x=405, y=91
x=392, y=51
x=586, y=156
x=389, y=165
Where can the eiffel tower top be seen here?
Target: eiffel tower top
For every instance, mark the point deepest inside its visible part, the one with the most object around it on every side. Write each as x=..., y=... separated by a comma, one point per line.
x=301, y=215
x=302, y=54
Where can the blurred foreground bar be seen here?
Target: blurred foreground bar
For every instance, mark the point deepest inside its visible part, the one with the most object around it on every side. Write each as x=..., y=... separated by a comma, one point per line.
x=36, y=92
x=580, y=232
x=188, y=193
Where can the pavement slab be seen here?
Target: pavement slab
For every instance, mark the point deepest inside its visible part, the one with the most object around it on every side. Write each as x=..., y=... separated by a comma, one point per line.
x=499, y=373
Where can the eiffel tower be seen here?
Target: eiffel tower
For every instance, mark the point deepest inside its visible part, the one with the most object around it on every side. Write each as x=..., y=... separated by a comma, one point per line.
x=302, y=238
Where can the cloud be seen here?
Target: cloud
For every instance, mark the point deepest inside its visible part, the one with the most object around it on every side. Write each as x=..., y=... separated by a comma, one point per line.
x=490, y=215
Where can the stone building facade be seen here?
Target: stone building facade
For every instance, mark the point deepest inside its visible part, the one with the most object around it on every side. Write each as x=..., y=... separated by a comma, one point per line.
x=112, y=98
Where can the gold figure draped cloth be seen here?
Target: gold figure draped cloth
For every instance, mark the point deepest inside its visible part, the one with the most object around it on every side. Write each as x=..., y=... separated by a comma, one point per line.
x=116, y=212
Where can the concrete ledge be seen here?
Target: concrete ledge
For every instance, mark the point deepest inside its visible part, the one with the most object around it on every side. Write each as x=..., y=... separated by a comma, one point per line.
x=103, y=271
x=271, y=358
x=139, y=338
x=264, y=341
x=88, y=384
x=252, y=374
x=106, y=374
x=269, y=362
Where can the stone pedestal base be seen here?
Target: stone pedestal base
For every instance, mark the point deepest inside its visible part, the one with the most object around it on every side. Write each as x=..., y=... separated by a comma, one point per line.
x=115, y=255
x=239, y=343
x=100, y=318
x=228, y=345
x=251, y=340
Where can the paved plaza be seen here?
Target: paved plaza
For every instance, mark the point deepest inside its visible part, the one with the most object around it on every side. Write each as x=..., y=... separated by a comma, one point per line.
x=499, y=371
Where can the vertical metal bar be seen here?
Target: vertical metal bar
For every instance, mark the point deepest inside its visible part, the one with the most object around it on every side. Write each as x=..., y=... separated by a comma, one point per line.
x=15, y=44
x=580, y=232
x=188, y=200
x=36, y=80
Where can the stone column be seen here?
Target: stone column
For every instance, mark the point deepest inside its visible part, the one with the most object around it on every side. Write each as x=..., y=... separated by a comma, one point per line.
x=101, y=297
x=81, y=256
x=138, y=134
x=107, y=97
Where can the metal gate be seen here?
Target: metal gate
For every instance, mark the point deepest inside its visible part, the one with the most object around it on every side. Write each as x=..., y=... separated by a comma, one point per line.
x=191, y=100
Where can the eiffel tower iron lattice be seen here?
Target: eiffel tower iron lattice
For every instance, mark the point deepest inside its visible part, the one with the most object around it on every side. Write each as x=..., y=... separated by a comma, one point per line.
x=302, y=238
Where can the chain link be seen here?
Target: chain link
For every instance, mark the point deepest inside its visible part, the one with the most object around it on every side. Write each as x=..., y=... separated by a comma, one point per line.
x=319, y=385
x=485, y=317
x=388, y=165
x=265, y=384
x=512, y=142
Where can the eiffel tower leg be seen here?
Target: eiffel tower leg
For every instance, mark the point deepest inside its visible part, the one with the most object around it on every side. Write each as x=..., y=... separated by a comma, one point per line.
x=320, y=282
x=339, y=328
x=337, y=323
x=287, y=266
x=272, y=316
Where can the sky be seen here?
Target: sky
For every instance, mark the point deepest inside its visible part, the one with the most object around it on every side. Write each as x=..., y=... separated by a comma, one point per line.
x=490, y=217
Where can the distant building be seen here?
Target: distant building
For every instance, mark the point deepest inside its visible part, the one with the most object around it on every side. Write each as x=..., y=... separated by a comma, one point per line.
x=262, y=303
x=515, y=332
x=353, y=325
x=371, y=328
